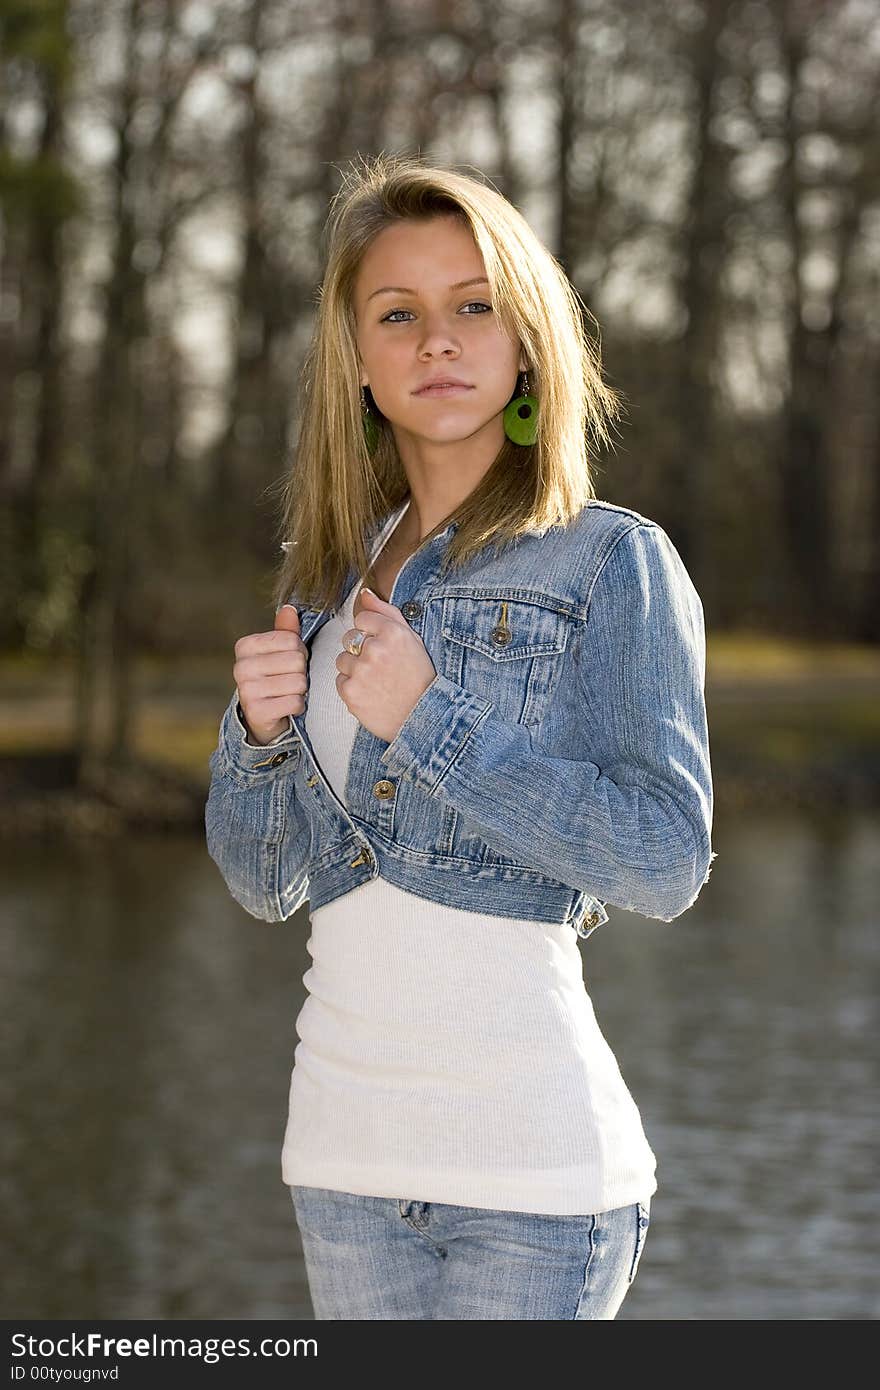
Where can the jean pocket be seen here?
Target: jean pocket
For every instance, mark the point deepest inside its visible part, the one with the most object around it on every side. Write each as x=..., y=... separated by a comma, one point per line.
x=643, y=1221
x=506, y=650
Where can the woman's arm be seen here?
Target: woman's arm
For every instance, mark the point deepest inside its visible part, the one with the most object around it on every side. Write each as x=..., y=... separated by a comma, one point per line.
x=257, y=834
x=631, y=820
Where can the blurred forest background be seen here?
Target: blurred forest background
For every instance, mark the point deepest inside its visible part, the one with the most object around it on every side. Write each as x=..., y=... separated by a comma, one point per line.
x=708, y=173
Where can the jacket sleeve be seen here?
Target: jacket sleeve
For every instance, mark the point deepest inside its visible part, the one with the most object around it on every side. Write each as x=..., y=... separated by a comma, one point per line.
x=257, y=833
x=631, y=820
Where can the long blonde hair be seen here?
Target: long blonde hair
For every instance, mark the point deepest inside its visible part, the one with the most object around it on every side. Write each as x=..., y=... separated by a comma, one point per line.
x=335, y=493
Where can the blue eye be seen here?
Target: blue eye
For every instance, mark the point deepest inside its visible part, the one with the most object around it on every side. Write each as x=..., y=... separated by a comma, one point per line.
x=472, y=304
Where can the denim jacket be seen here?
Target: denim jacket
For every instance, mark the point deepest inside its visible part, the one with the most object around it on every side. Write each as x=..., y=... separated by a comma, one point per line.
x=558, y=763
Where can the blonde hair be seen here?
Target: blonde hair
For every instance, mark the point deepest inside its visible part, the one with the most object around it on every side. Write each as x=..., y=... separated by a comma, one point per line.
x=336, y=494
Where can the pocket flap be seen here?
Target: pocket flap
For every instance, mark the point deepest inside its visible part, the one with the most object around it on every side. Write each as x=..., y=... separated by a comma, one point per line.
x=504, y=629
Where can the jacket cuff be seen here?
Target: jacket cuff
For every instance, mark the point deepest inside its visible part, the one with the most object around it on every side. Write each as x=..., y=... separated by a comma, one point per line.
x=237, y=755
x=434, y=733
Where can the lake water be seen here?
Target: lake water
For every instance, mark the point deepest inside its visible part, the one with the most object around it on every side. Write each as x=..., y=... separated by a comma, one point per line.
x=148, y=1033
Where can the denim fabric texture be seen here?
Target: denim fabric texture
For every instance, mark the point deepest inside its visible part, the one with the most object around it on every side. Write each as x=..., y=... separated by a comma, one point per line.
x=376, y=1257
x=558, y=763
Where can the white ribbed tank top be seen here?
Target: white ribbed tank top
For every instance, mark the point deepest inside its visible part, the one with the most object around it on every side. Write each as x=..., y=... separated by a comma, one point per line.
x=447, y=1055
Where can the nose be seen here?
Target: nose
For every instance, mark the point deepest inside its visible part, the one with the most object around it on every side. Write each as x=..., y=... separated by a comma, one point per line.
x=438, y=338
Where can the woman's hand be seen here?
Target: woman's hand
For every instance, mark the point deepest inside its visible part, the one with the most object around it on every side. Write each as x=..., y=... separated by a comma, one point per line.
x=382, y=686
x=271, y=674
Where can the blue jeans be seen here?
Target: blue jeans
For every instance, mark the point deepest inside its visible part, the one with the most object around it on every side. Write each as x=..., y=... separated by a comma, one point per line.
x=380, y=1257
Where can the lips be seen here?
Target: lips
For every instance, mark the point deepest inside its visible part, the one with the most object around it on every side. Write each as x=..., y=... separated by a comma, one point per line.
x=446, y=386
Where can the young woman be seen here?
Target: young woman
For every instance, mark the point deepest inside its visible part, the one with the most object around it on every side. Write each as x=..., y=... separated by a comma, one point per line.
x=479, y=718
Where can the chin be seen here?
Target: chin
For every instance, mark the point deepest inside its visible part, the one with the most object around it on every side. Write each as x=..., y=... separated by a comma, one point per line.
x=448, y=427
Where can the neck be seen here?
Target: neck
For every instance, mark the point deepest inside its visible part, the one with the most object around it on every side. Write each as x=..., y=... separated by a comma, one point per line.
x=441, y=476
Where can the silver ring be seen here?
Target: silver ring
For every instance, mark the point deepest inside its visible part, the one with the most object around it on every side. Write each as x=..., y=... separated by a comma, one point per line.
x=355, y=643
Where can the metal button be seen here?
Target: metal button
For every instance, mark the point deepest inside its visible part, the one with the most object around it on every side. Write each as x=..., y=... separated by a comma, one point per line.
x=586, y=925
x=501, y=636
x=274, y=761
x=383, y=789
x=363, y=858
x=267, y=762
x=643, y=1221
x=411, y=610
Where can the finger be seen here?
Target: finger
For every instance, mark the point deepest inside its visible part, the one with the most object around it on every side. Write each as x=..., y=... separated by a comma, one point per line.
x=345, y=663
x=287, y=619
x=274, y=687
x=274, y=659
x=277, y=706
x=273, y=663
x=357, y=633
x=373, y=604
x=261, y=643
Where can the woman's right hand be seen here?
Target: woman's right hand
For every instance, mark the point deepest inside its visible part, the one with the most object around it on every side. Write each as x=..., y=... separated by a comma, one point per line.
x=271, y=675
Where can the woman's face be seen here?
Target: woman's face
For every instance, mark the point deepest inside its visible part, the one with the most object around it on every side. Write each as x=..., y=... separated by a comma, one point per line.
x=425, y=328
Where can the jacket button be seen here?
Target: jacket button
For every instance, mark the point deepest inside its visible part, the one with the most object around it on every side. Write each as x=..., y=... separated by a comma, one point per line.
x=383, y=789
x=586, y=925
x=501, y=636
x=411, y=610
x=279, y=758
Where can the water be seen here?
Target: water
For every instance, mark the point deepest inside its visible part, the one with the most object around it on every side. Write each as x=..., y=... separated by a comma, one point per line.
x=148, y=1033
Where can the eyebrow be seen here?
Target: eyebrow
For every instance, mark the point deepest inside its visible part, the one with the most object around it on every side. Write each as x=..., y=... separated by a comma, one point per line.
x=399, y=289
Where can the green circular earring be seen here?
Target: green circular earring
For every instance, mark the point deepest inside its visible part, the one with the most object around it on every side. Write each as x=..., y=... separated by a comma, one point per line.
x=521, y=416
x=371, y=425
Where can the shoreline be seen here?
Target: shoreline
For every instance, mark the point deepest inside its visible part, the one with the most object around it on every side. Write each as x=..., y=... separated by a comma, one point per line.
x=38, y=798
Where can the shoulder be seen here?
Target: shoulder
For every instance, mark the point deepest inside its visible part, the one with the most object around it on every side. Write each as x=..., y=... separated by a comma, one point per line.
x=602, y=529
x=601, y=522
x=569, y=558
x=620, y=553
x=638, y=562
x=608, y=523
x=613, y=513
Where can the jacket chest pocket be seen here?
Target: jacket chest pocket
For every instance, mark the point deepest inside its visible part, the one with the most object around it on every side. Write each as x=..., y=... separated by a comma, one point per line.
x=510, y=651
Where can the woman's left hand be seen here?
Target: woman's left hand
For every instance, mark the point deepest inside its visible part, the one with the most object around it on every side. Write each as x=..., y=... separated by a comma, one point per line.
x=382, y=686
